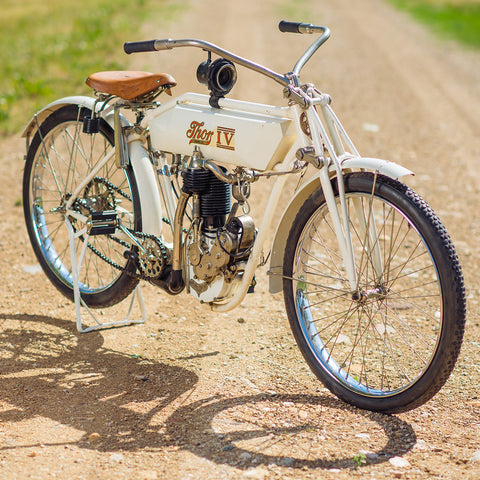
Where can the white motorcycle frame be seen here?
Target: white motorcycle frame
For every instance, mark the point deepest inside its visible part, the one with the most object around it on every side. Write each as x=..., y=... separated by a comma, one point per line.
x=340, y=159
x=331, y=144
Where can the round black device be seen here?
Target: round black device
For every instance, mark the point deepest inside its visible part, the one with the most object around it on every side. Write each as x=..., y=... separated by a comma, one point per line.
x=220, y=76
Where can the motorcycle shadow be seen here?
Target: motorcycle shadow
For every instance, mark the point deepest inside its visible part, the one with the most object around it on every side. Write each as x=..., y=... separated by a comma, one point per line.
x=49, y=370
x=118, y=402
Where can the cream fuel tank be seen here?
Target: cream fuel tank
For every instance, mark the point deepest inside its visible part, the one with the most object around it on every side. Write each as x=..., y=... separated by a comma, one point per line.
x=242, y=134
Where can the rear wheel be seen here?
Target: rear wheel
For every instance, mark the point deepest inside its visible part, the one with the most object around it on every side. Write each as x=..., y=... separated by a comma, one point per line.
x=60, y=156
x=391, y=344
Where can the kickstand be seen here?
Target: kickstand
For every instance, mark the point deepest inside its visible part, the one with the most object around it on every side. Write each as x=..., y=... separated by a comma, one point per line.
x=79, y=302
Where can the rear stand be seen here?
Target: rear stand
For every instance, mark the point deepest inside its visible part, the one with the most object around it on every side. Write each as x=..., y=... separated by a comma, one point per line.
x=79, y=302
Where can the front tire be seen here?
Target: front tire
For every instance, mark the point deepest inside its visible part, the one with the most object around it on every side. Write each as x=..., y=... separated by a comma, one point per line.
x=390, y=345
x=60, y=156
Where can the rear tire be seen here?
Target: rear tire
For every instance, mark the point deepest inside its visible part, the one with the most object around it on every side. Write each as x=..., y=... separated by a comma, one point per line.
x=58, y=159
x=392, y=344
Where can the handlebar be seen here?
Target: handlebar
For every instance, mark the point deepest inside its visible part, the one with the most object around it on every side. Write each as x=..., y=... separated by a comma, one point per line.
x=284, y=26
x=298, y=27
x=168, y=44
x=139, y=47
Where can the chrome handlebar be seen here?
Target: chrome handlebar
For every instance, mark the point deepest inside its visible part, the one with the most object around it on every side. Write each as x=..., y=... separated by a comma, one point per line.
x=287, y=79
x=168, y=44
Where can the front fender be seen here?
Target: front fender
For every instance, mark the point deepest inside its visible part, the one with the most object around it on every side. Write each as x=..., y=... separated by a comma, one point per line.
x=81, y=100
x=275, y=272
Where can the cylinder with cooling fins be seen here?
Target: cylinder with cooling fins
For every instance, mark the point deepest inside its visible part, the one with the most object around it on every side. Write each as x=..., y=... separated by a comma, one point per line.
x=215, y=196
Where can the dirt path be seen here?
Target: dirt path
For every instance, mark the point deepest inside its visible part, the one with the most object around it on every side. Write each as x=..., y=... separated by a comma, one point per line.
x=197, y=395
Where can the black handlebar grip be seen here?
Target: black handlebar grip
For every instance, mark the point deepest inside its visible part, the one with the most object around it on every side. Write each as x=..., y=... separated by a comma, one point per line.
x=138, y=47
x=290, y=27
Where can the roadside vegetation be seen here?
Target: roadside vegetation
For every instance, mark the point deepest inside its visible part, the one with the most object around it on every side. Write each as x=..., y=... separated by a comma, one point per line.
x=50, y=47
x=294, y=10
x=454, y=19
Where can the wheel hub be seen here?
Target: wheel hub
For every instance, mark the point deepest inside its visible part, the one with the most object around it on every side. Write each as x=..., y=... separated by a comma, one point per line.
x=362, y=296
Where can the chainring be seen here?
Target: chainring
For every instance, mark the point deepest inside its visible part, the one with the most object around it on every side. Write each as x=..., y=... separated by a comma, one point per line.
x=151, y=259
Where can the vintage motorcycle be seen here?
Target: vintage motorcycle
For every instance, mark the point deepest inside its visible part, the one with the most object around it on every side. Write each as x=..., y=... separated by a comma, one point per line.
x=372, y=285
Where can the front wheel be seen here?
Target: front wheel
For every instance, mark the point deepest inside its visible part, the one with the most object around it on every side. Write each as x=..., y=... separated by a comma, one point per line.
x=390, y=344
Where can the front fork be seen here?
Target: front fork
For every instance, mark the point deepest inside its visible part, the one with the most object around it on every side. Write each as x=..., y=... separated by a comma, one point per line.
x=332, y=144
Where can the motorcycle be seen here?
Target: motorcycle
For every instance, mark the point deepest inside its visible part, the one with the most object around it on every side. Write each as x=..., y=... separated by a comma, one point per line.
x=372, y=285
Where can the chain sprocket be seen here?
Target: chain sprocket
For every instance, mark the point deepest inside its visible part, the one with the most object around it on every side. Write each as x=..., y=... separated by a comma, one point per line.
x=153, y=259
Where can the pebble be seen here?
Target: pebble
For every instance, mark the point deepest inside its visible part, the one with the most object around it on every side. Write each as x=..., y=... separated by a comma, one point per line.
x=475, y=457
x=343, y=339
x=286, y=461
x=399, y=462
x=370, y=127
x=245, y=456
x=94, y=437
x=115, y=458
x=256, y=473
x=420, y=445
x=32, y=269
x=370, y=455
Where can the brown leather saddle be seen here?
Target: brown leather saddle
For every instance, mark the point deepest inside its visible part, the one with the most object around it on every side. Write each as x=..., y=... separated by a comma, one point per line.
x=130, y=85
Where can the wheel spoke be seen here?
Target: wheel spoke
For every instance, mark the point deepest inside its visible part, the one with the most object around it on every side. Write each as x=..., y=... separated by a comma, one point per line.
x=380, y=340
x=64, y=157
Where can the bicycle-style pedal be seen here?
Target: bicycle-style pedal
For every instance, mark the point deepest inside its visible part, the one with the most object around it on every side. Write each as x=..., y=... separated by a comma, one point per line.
x=102, y=223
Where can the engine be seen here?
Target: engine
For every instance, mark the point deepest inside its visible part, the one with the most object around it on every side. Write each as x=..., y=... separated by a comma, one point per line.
x=219, y=241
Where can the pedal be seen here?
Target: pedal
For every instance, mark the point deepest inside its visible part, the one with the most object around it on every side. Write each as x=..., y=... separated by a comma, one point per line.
x=102, y=223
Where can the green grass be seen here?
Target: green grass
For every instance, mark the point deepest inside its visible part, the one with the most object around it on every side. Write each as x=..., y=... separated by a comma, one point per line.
x=455, y=19
x=295, y=11
x=49, y=47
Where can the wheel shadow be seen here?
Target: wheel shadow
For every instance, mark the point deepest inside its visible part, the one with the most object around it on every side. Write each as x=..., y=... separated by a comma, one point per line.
x=122, y=403
x=246, y=432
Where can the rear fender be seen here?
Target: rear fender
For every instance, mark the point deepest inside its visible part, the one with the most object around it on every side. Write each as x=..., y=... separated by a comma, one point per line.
x=275, y=272
x=150, y=205
x=80, y=100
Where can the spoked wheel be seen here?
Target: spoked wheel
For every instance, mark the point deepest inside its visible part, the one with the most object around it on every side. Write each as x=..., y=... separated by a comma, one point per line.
x=61, y=156
x=390, y=344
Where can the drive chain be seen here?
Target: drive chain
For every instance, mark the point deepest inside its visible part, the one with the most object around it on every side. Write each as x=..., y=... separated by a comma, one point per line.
x=141, y=235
